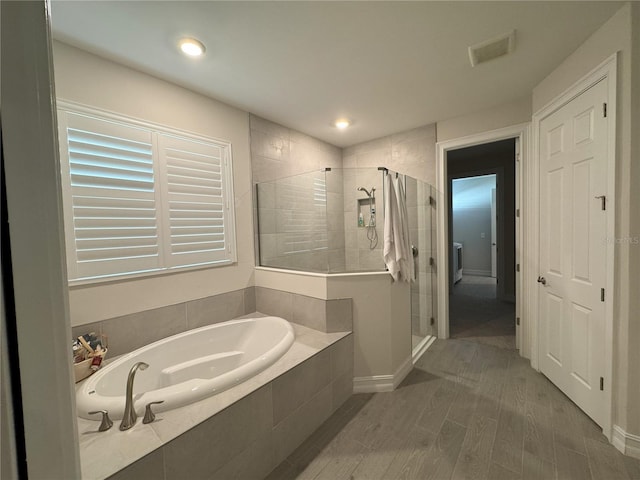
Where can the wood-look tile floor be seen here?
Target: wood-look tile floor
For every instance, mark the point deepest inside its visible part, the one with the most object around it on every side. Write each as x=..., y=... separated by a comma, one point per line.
x=476, y=314
x=467, y=410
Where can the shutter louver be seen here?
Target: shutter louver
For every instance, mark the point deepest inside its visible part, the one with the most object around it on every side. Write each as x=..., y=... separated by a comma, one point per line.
x=195, y=207
x=113, y=204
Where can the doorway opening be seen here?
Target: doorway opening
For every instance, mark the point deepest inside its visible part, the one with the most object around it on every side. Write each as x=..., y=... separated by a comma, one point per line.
x=482, y=247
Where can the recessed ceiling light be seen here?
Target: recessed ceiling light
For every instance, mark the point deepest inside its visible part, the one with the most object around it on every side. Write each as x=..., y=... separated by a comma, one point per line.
x=342, y=123
x=191, y=47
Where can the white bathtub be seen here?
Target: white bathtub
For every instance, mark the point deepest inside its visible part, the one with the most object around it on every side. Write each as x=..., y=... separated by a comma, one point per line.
x=188, y=367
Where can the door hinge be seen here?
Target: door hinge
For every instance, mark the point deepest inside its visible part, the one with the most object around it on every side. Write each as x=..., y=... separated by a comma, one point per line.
x=433, y=321
x=517, y=320
x=517, y=267
x=432, y=201
x=602, y=294
x=431, y=261
x=601, y=383
x=518, y=212
x=604, y=110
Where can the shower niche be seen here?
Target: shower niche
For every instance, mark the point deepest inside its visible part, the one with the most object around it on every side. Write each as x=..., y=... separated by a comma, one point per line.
x=366, y=212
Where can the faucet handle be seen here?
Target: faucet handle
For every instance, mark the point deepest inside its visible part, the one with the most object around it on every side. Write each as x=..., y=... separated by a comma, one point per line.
x=149, y=416
x=106, y=423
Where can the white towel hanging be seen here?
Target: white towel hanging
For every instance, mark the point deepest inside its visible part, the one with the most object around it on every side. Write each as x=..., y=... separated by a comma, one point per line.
x=390, y=252
x=397, y=249
x=407, y=265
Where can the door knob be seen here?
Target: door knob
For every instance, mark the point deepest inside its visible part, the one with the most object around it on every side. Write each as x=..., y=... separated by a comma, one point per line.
x=542, y=280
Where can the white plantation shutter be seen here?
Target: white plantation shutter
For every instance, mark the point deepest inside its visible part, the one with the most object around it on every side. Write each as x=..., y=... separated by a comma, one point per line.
x=138, y=200
x=195, y=204
x=111, y=198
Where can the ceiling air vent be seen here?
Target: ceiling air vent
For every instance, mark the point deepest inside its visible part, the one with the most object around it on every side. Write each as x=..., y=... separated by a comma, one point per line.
x=492, y=48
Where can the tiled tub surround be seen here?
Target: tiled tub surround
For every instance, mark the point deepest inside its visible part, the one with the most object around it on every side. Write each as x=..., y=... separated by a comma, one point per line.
x=334, y=315
x=243, y=432
x=129, y=332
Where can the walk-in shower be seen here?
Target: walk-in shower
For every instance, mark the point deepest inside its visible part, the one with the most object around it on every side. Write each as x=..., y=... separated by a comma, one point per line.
x=327, y=221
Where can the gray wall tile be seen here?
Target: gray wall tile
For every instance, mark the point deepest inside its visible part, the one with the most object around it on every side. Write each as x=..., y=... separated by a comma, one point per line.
x=249, y=300
x=342, y=389
x=339, y=315
x=206, y=448
x=253, y=463
x=310, y=312
x=274, y=302
x=294, y=429
x=342, y=357
x=136, y=330
x=267, y=220
x=299, y=385
x=215, y=309
x=86, y=328
x=150, y=466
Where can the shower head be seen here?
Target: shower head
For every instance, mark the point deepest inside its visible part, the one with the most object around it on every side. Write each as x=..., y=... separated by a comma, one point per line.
x=362, y=189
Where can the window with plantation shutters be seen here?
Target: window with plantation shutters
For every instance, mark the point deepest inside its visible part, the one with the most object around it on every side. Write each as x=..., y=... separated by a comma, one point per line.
x=141, y=199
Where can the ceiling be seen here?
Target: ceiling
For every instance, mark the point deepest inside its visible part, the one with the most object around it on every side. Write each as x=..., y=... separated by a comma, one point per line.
x=388, y=66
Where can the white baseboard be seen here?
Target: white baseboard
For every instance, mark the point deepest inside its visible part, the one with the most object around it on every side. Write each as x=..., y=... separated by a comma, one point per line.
x=417, y=353
x=382, y=383
x=627, y=443
x=478, y=273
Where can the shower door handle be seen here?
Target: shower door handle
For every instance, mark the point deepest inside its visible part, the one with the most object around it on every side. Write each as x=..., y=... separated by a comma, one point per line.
x=414, y=251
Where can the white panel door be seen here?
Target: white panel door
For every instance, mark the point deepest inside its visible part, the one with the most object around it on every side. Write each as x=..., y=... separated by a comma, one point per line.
x=573, y=174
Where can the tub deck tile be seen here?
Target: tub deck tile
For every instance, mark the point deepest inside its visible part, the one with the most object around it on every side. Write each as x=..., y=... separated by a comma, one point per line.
x=104, y=454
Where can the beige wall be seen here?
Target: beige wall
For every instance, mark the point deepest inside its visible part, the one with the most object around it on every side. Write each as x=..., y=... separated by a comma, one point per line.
x=93, y=81
x=504, y=115
x=381, y=321
x=615, y=36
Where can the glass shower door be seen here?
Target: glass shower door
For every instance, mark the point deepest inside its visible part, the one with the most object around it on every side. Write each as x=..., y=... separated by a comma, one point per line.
x=421, y=211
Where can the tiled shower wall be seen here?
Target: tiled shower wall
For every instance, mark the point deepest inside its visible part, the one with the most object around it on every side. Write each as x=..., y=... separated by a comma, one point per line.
x=362, y=254
x=299, y=200
x=411, y=153
x=299, y=222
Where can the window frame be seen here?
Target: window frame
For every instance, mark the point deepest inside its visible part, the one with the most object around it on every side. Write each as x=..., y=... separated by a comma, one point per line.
x=157, y=130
